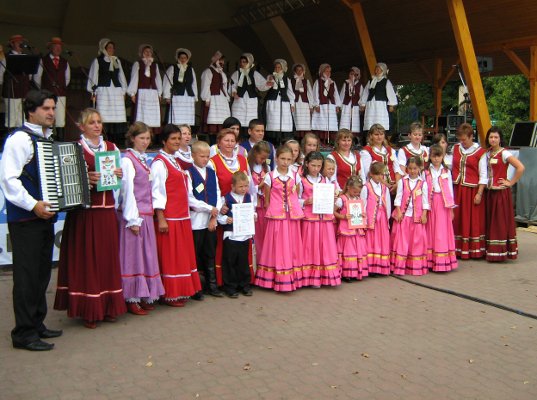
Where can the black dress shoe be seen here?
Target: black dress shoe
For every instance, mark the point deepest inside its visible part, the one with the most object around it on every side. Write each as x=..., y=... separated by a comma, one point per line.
x=216, y=293
x=50, y=333
x=38, y=345
x=234, y=295
x=247, y=292
x=199, y=296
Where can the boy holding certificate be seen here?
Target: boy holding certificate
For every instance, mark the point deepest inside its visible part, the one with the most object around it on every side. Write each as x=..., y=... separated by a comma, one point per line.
x=239, y=228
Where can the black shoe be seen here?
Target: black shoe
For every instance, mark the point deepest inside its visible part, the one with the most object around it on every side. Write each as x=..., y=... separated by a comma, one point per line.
x=216, y=293
x=234, y=295
x=50, y=333
x=199, y=296
x=348, y=280
x=247, y=292
x=38, y=345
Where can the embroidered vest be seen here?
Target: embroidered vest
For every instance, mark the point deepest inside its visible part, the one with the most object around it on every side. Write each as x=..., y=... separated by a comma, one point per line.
x=224, y=174
x=208, y=193
x=465, y=168
x=308, y=209
x=98, y=199
x=176, y=191
x=346, y=169
x=443, y=182
x=423, y=156
x=141, y=185
x=386, y=159
x=375, y=204
x=283, y=196
x=497, y=170
x=416, y=196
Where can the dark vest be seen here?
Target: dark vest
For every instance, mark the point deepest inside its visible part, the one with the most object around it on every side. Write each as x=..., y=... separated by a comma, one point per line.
x=230, y=200
x=272, y=93
x=379, y=91
x=15, y=88
x=304, y=94
x=30, y=181
x=179, y=88
x=355, y=95
x=252, y=92
x=326, y=99
x=53, y=79
x=208, y=194
x=217, y=84
x=106, y=77
x=143, y=81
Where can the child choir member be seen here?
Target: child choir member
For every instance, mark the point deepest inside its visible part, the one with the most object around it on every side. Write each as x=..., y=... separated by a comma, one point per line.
x=235, y=256
x=108, y=85
x=329, y=172
x=256, y=133
x=351, y=242
x=469, y=173
x=347, y=161
x=303, y=99
x=89, y=272
x=409, y=236
x=205, y=202
x=245, y=84
x=145, y=88
x=175, y=244
x=184, y=154
x=214, y=96
x=279, y=103
x=501, y=241
x=320, y=263
x=137, y=241
x=326, y=104
x=180, y=89
x=350, y=97
x=440, y=237
x=378, y=97
x=378, y=205
x=279, y=264
x=414, y=148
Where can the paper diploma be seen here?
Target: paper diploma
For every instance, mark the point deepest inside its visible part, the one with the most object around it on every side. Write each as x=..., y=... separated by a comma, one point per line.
x=323, y=198
x=356, y=210
x=105, y=163
x=243, y=219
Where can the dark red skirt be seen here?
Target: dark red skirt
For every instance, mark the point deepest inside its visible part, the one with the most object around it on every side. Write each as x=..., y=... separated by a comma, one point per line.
x=469, y=223
x=89, y=273
x=501, y=229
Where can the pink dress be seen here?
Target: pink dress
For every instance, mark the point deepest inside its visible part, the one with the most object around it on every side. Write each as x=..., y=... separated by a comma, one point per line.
x=409, y=237
x=351, y=245
x=440, y=237
x=260, y=223
x=321, y=265
x=378, y=231
x=280, y=262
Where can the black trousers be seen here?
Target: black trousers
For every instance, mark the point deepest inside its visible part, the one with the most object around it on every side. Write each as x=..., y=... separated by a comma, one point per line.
x=32, y=243
x=205, y=247
x=235, y=266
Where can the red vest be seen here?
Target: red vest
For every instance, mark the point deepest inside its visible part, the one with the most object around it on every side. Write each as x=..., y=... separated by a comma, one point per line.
x=345, y=169
x=300, y=95
x=330, y=97
x=497, y=169
x=424, y=156
x=307, y=192
x=145, y=82
x=386, y=159
x=217, y=83
x=53, y=79
x=355, y=96
x=465, y=168
x=224, y=174
x=98, y=199
x=176, y=191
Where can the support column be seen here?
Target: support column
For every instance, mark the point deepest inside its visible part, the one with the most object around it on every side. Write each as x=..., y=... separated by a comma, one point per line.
x=533, y=83
x=363, y=34
x=469, y=65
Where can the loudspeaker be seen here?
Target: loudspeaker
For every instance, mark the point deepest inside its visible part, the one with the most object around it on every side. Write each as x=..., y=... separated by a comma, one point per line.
x=524, y=134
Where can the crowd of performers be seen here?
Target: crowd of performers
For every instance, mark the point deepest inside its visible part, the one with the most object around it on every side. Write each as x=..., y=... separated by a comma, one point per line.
x=171, y=238
x=292, y=104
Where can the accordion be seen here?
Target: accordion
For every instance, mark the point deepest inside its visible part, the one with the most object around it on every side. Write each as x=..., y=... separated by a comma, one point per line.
x=63, y=175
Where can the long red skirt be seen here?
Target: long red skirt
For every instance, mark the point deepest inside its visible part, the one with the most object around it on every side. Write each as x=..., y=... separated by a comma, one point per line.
x=177, y=259
x=89, y=273
x=501, y=229
x=469, y=223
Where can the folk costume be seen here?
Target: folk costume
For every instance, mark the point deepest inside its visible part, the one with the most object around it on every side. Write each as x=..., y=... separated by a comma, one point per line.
x=409, y=151
x=385, y=155
x=184, y=158
x=326, y=99
x=146, y=85
x=258, y=175
x=350, y=107
x=278, y=102
x=346, y=166
x=303, y=99
x=376, y=97
x=180, y=88
x=214, y=95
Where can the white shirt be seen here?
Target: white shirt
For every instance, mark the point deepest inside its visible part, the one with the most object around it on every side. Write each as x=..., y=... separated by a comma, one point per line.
x=412, y=184
x=222, y=219
x=39, y=75
x=259, y=82
x=206, y=80
x=19, y=151
x=185, y=156
x=377, y=188
x=435, y=174
x=312, y=180
x=166, y=86
x=366, y=160
x=94, y=75
x=401, y=155
x=316, y=101
x=133, y=84
x=200, y=212
x=390, y=94
x=350, y=159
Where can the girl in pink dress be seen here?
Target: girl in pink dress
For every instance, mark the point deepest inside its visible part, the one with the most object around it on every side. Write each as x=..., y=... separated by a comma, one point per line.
x=296, y=165
x=351, y=242
x=280, y=262
x=378, y=199
x=409, y=237
x=440, y=237
x=257, y=160
x=318, y=232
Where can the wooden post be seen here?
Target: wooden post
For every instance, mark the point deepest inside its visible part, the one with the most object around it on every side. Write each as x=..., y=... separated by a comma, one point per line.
x=533, y=83
x=363, y=34
x=469, y=66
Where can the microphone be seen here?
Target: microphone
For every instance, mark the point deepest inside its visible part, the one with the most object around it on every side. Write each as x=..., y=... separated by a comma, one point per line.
x=68, y=52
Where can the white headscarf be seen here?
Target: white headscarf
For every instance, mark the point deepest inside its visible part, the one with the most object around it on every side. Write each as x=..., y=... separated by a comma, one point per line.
x=299, y=86
x=327, y=80
x=114, y=62
x=147, y=61
x=245, y=72
x=352, y=81
x=182, y=67
x=278, y=77
x=382, y=76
